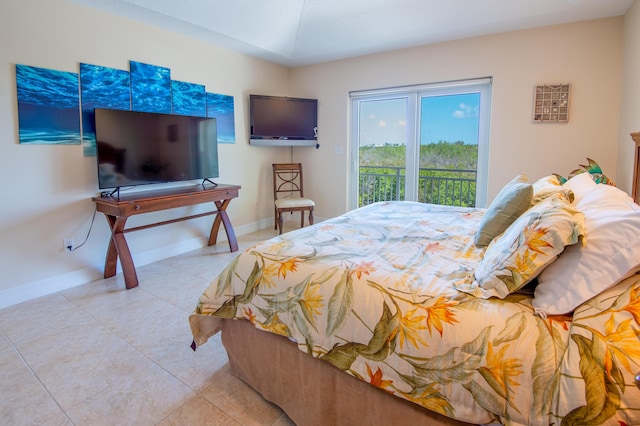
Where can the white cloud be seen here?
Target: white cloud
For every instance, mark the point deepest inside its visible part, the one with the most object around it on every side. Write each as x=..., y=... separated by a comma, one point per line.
x=402, y=123
x=465, y=111
x=382, y=123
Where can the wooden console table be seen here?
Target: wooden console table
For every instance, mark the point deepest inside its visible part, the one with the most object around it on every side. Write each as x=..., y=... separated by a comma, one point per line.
x=118, y=209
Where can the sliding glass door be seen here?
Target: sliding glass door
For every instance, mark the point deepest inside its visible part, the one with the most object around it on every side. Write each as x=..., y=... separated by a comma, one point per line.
x=426, y=143
x=382, y=149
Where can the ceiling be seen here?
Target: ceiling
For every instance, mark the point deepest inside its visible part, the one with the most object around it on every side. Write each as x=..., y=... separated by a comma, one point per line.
x=303, y=32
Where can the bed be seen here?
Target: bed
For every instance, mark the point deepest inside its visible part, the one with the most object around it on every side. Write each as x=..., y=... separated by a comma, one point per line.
x=524, y=313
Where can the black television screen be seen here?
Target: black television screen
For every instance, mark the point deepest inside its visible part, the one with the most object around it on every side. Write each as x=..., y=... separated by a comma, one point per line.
x=135, y=148
x=276, y=120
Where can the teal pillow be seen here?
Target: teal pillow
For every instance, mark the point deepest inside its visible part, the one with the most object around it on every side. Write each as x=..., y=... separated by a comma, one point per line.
x=512, y=200
x=593, y=169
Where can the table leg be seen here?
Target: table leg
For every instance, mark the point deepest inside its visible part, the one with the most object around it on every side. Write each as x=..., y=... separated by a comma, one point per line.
x=111, y=261
x=222, y=217
x=118, y=248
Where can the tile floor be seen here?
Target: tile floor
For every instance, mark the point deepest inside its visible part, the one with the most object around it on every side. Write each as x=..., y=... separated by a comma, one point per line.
x=98, y=354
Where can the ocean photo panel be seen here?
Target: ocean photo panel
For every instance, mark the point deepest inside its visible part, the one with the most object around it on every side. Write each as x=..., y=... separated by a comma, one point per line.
x=150, y=88
x=188, y=99
x=48, y=106
x=221, y=108
x=101, y=87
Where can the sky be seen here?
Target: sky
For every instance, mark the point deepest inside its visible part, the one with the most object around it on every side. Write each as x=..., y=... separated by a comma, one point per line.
x=448, y=118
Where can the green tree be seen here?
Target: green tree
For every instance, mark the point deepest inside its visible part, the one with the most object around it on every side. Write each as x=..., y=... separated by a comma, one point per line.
x=447, y=173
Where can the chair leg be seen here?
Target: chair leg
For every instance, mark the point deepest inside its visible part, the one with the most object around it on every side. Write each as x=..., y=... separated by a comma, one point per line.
x=311, y=217
x=275, y=218
x=280, y=222
x=302, y=219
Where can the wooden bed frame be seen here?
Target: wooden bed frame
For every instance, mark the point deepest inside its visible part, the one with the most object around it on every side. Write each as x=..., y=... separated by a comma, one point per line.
x=635, y=192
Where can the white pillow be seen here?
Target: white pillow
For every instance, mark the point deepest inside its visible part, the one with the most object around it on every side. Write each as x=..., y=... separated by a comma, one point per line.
x=606, y=197
x=581, y=184
x=611, y=253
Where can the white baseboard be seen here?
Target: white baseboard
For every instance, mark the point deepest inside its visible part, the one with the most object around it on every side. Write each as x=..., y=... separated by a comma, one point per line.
x=33, y=290
x=22, y=293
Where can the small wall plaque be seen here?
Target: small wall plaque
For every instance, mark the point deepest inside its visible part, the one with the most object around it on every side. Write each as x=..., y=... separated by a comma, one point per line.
x=551, y=103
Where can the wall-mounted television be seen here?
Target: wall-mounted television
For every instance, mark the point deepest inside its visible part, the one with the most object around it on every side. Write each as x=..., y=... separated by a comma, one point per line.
x=282, y=121
x=136, y=148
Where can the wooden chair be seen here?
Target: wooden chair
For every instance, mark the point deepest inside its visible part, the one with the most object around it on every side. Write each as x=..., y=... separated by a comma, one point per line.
x=288, y=193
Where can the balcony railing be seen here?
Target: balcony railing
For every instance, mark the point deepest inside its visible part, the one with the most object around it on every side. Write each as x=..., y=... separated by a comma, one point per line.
x=435, y=186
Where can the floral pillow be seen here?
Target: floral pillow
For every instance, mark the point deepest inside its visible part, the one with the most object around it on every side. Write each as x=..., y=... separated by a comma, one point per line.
x=593, y=169
x=531, y=243
x=580, y=185
x=547, y=186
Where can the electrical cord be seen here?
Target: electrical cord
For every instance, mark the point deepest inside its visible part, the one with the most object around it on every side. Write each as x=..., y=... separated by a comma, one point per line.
x=93, y=218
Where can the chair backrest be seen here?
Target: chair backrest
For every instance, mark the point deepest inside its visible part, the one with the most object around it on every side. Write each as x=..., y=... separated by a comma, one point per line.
x=287, y=180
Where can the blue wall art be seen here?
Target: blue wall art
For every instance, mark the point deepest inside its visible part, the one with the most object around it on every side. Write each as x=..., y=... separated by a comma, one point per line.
x=48, y=106
x=188, y=99
x=150, y=88
x=101, y=87
x=221, y=108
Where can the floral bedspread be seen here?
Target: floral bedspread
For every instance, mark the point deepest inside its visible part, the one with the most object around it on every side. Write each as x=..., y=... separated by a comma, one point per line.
x=372, y=293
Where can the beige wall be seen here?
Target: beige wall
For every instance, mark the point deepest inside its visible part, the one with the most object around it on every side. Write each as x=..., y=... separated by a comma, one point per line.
x=46, y=190
x=630, y=110
x=588, y=55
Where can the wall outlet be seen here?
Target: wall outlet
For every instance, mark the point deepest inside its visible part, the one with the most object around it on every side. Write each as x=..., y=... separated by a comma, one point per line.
x=68, y=244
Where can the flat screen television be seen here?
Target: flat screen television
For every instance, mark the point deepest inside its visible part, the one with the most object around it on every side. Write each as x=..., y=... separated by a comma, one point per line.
x=283, y=121
x=136, y=148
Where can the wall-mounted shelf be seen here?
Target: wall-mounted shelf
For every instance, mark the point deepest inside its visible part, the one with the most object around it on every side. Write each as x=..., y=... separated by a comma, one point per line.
x=282, y=142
